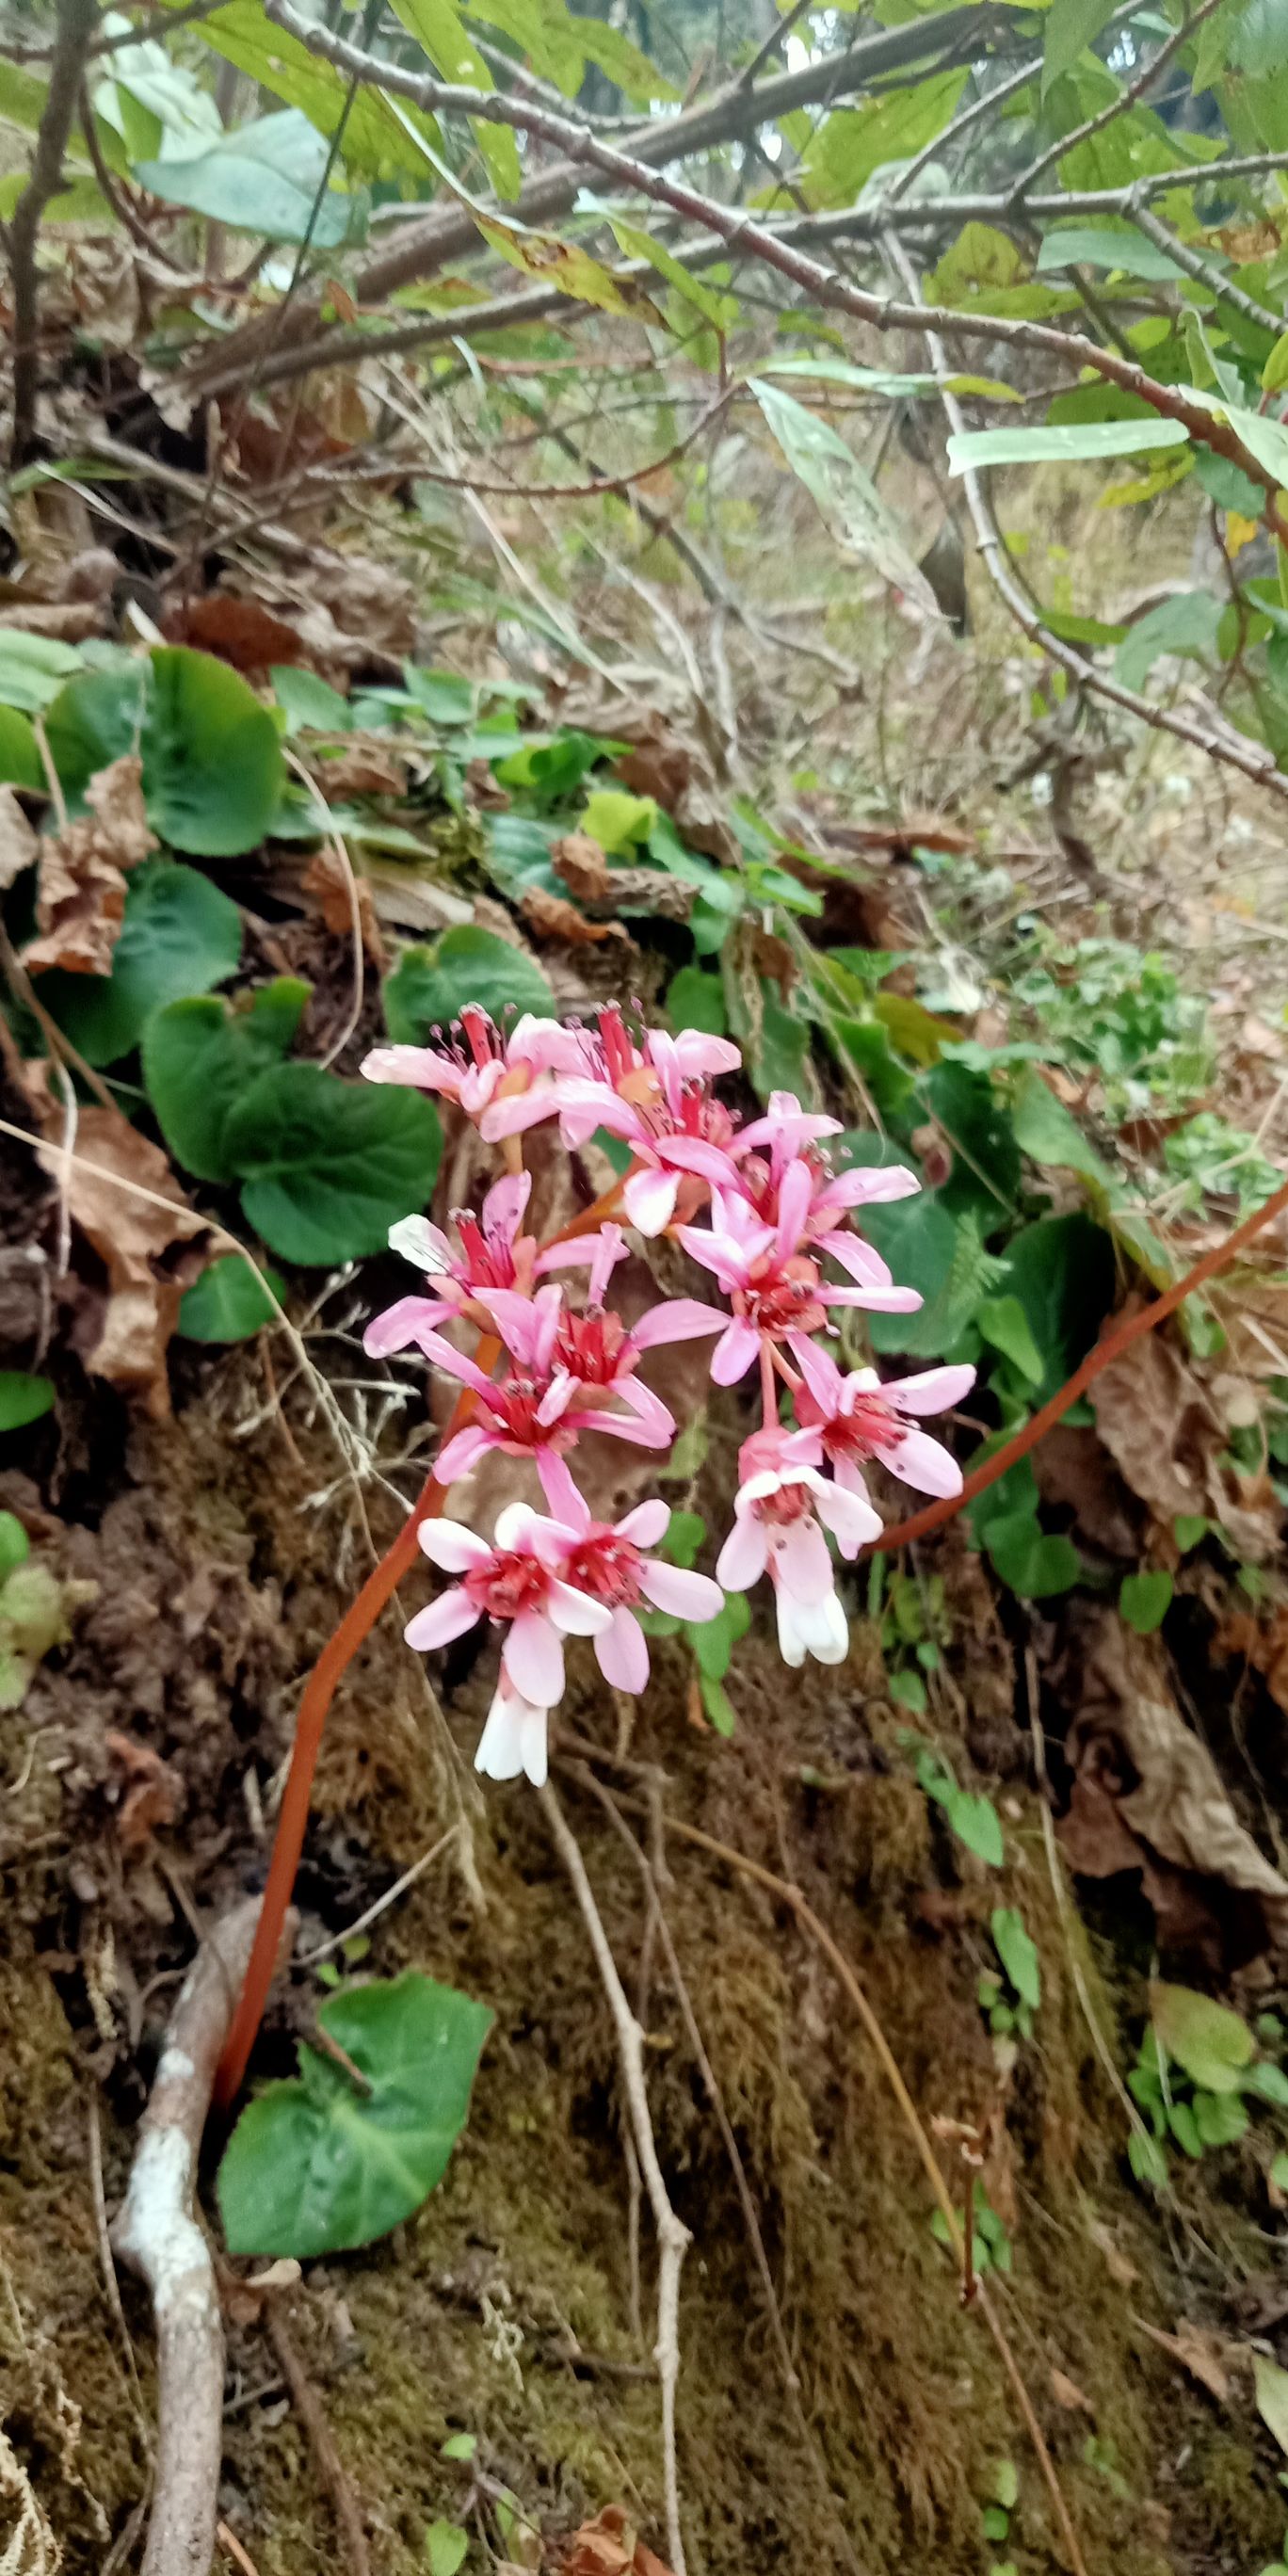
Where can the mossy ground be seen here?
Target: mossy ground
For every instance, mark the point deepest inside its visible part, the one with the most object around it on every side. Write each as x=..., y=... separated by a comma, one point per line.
x=505, y=2309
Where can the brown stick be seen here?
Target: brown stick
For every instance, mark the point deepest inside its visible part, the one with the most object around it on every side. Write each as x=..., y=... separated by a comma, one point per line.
x=159, y=2236
x=77, y=20
x=308, y=2406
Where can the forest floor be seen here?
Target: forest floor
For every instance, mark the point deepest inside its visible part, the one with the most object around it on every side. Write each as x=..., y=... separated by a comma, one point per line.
x=840, y=2406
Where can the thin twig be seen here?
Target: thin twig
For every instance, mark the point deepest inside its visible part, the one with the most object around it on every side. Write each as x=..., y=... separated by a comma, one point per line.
x=309, y=1958
x=1115, y=107
x=672, y=2235
x=1202, y=270
x=77, y=20
x=330, y=2467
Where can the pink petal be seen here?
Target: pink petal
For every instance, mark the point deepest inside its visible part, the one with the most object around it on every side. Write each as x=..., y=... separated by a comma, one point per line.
x=622, y=1652
x=734, y=1352
x=871, y=1186
x=422, y=1067
x=454, y=1363
x=801, y=1563
x=501, y=1744
x=646, y=1434
x=559, y=1490
x=516, y=1111
x=934, y=1390
x=448, y=1617
x=795, y=1193
x=457, y=1456
x=575, y=1614
x=534, y=1738
x=567, y=1256
x=922, y=1462
x=556, y=1400
x=858, y=1258
x=452, y=1546
x=876, y=1301
x=698, y=1057
x=515, y=1523
x=715, y=1252
x=424, y=1245
x=745, y=1554
x=680, y=1319
x=821, y=1374
x=399, y=1325
x=685, y=1595
x=505, y=1205
x=648, y=1408
x=693, y=1154
x=648, y=1523
x=533, y=1657
x=849, y=1516
x=649, y=1199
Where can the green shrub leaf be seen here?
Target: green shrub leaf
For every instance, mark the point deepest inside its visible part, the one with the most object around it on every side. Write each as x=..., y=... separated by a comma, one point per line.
x=1212, y=2043
x=23, y=1399
x=198, y=1058
x=212, y=763
x=1018, y=1955
x=230, y=1301
x=327, y=1166
x=1145, y=1599
x=316, y=2167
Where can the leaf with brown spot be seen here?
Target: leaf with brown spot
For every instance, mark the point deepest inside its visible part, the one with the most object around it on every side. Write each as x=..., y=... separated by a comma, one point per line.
x=579, y=860
x=80, y=895
x=135, y=1239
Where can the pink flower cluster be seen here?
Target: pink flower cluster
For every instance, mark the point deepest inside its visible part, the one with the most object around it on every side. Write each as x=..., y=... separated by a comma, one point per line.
x=760, y=1208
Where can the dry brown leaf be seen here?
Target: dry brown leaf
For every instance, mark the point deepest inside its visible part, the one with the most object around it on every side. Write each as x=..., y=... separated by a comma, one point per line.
x=485, y=791
x=1147, y=1795
x=1256, y=1037
x=553, y=917
x=326, y=882
x=19, y=844
x=609, y=2546
x=373, y=602
x=240, y=631
x=1119, y=2265
x=1264, y=1647
x=134, y=1239
x=153, y=1792
x=1067, y=2393
x=1198, y=2351
x=80, y=898
x=1166, y=1431
x=72, y=621
x=362, y=768
x=581, y=863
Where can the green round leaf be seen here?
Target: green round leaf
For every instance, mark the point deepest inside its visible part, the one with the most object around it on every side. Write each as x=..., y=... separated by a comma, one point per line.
x=695, y=1000
x=314, y=2166
x=180, y=935
x=15, y=1546
x=198, y=1057
x=20, y=761
x=429, y=985
x=33, y=669
x=1145, y=1599
x=230, y=1301
x=23, y=1399
x=1033, y=1565
x=328, y=1166
x=212, y=763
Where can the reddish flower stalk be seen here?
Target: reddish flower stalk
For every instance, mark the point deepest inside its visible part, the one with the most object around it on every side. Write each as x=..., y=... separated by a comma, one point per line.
x=319, y=1691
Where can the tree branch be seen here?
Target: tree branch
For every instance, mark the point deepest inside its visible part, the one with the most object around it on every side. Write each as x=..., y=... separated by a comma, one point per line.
x=77, y=20
x=1201, y=270
x=1127, y=98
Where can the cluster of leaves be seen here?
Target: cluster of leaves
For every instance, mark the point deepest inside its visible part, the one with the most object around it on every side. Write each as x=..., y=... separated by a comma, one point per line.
x=1197, y=2068
x=1011, y=2000
x=991, y=2246
x=995, y=2517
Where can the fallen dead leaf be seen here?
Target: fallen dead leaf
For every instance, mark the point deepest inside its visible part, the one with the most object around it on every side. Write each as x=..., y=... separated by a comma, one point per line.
x=326, y=882
x=1166, y=1430
x=581, y=863
x=134, y=1239
x=71, y=621
x=153, y=1792
x=1147, y=1796
x=609, y=2546
x=19, y=844
x=239, y=631
x=363, y=768
x=1265, y=1647
x=1256, y=1037
x=551, y=916
x=485, y=791
x=1198, y=2352
x=80, y=897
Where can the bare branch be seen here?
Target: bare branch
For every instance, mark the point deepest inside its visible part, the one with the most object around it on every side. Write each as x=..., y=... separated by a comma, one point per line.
x=1202, y=270
x=77, y=20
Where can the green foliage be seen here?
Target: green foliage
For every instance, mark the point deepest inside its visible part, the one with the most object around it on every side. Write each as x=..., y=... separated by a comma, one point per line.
x=1145, y=1599
x=230, y=1301
x=971, y=1816
x=428, y=986
x=15, y=1546
x=212, y=762
x=33, y=669
x=446, y=2547
x=320, y=2163
x=990, y=2240
x=328, y=1166
x=1196, y=2072
x=180, y=935
x=267, y=178
x=1018, y=1954
x=199, y=1056
x=23, y=1399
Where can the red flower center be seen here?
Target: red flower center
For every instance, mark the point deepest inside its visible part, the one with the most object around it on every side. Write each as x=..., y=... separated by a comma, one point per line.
x=489, y=1258
x=594, y=1348
x=514, y=1405
x=607, y=1567
x=508, y=1584
x=786, y=1300
x=871, y=1425
x=790, y=1503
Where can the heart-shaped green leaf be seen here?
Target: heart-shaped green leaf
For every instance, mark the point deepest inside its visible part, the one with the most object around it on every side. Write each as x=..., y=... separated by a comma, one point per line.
x=179, y=935
x=212, y=761
x=23, y=1399
x=1212, y=2043
x=327, y=1165
x=230, y=1301
x=198, y=1058
x=316, y=2165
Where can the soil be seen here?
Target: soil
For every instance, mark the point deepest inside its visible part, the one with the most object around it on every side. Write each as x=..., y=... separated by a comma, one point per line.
x=507, y=2308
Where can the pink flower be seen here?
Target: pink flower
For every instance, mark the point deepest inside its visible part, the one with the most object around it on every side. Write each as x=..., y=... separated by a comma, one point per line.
x=492, y=1254
x=856, y=1417
x=476, y=1068
x=609, y=1565
x=791, y=1133
x=655, y=1097
x=508, y=1583
x=776, y=1290
x=777, y=1512
x=562, y=1366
